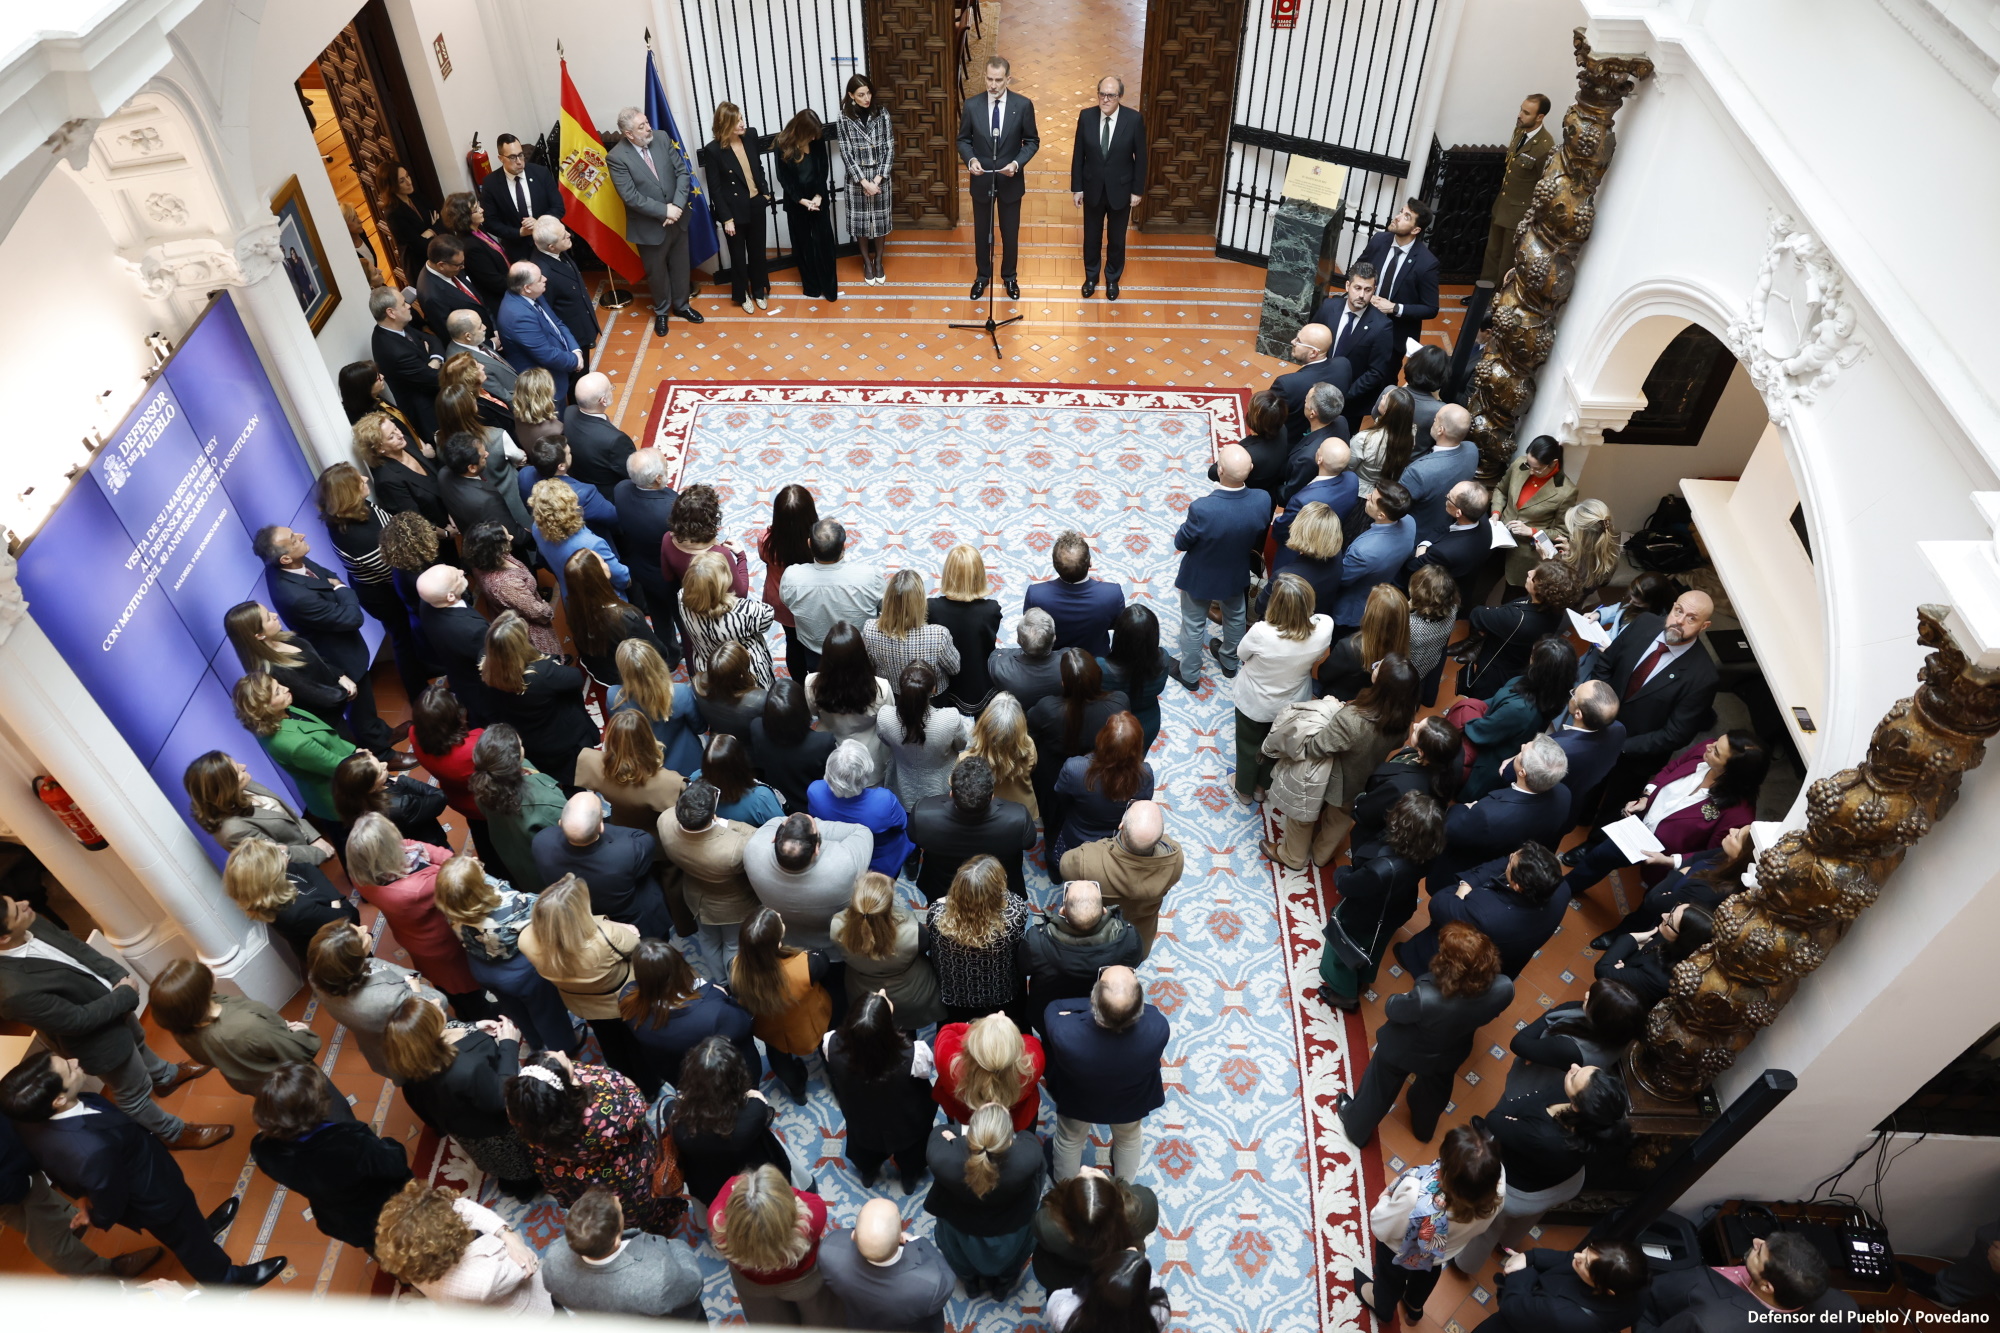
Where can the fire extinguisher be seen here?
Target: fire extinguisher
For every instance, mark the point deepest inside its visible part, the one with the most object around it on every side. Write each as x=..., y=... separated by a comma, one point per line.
x=477, y=163
x=57, y=800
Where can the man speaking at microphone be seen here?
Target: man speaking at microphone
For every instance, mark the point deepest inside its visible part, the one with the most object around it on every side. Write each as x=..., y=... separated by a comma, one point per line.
x=996, y=137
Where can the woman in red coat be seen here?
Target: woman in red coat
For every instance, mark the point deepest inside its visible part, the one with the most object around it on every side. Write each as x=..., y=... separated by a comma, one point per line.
x=399, y=877
x=1690, y=805
x=988, y=1061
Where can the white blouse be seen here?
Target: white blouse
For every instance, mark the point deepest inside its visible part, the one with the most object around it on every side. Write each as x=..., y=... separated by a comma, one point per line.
x=1276, y=670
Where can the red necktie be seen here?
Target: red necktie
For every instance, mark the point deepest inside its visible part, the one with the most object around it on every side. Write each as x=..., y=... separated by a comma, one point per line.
x=1644, y=671
x=460, y=284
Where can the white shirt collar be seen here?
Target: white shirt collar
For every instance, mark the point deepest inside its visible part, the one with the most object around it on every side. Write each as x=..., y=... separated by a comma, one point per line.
x=599, y=1263
x=79, y=1109
x=1220, y=487
x=1673, y=650
x=890, y=1262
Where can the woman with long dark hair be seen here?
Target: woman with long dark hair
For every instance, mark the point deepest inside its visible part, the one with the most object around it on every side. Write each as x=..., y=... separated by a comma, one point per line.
x=787, y=752
x=342, y=1169
x=1136, y=667
x=586, y=1125
x=485, y=257
x=868, y=144
x=1378, y=896
x=1707, y=792
x=1704, y=879
x=231, y=806
x=412, y=221
x=1381, y=453
x=1097, y=788
x=1323, y=761
x=670, y=1011
x=881, y=1080
x=1596, y=1030
x=262, y=643
x=1431, y=760
x=541, y=698
x=725, y=765
x=1519, y=711
x=363, y=783
x=1646, y=961
x=804, y=175
x=720, y=1123
x=782, y=987
x=516, y=799
x=509, y=584
x=1086, y=1223
x=355, y=522
x=1503, y=636
x=845, y=694
x=730, y=698
x=923, y=742
x=1066, y=724
x=1120, y=1299
x=788, y=542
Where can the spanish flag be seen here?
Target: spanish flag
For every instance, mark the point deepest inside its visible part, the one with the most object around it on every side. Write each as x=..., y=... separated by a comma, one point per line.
x=594, y=210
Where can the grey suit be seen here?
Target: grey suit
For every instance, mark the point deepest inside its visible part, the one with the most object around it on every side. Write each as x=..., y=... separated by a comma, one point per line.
x=647, y=192
x=282, y=826
x=651, y=1276
x=365, y=1011
x=84, y=1014
x=808, y=900
x=907, y=1295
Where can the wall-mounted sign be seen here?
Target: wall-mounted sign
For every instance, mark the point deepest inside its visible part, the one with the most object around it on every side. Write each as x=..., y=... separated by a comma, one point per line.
x=1284, y=13
x=444, y=56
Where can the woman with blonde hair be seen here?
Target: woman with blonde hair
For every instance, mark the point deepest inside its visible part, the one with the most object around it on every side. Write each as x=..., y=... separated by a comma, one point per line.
x=1590, y=547
x=1278, y=653
x=781, y=986
x=739, y=197
x=262, y=643
x=647, y=687
x=1381, y=453
x=1385, y=629
x=457, y=1252
x=489, y=914
x=990, y=1060
x=903, y=634
x=588, y=958
x=399, y=876
x=303, y=745
x=973, y=933
x=1312, y=550
x=973, y=620
x=923, y=742
x=629, y=772
x=1000, y=737
x=455, y=1079
x=770, y=1234
x=883, y=943
x=231, y=806
x=403, y=469
x=560, y=533
x=295, y=900
x=730, y=697
x=986, y=1183
x=536, y=415
x=541, y=698
x=713, y=614
x=355, y=523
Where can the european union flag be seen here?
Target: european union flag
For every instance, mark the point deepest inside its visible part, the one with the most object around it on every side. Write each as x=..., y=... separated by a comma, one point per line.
x=701, y=230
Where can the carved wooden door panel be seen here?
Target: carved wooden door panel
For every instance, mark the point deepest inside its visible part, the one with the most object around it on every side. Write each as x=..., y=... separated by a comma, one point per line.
x=1190, y=79
x=364, y=120
x=911, y=61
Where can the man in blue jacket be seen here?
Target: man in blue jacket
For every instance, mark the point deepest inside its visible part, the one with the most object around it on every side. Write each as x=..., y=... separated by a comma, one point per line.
x=1407, y=291
x=1082, y=607
x=1377, y=555
x=1104, y=1069
x=532, y=334
x=1220, y=538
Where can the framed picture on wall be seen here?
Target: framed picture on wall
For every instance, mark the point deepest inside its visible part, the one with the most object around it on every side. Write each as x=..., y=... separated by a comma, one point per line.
x=303, y=256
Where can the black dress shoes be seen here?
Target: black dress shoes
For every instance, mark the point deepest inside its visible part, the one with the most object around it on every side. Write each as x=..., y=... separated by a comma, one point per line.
x=690, y=314
x=1089, y=288
x=1111, y=289
x=659, y=323
x=256, y=1275
x=224, y=1215
x=1602, y=942
x=978, y=289
x=1013, y=289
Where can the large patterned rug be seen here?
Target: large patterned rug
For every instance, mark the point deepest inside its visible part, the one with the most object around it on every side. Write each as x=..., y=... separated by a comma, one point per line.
x=1261, y=1197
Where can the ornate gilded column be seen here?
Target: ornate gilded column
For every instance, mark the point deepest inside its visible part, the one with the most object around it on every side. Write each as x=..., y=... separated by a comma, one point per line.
x=1813, y=883
x=1545, y=249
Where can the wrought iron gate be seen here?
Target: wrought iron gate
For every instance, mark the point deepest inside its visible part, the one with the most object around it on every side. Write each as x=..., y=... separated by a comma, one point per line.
x=1342, y=86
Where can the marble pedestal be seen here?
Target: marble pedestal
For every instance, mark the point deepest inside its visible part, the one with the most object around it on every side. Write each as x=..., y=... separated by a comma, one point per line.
x=1301, y=243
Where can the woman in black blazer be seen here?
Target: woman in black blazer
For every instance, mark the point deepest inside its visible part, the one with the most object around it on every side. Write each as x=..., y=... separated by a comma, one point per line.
x=1378, y=894
x=344, y=1169
x=986, y=1184
x=1704, y=879
x=785, y=749
x=1506, y=633
x=721, y=1124
x=454, y=1079
x=1595, y=1032
x=1646, y=961
x=739, y=199
x=1065, y=725
x=1433, y=762
x=805, y=176
x=881, y=1080
x=402, y=468
x=539, y=697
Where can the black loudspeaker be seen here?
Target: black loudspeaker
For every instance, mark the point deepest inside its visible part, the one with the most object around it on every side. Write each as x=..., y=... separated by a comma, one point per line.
x=1679, y=1173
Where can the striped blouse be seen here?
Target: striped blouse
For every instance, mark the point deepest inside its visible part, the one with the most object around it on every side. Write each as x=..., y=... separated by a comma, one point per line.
x=747, y=621
x=360, y=546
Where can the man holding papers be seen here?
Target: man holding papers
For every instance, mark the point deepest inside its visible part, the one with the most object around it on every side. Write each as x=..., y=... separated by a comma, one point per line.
x=1691, y=805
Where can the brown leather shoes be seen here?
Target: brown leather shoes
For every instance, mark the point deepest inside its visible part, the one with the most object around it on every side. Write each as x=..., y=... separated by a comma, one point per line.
x=187, y=1071
x=137, y=1262
x=196, y=1137
x=401, y=761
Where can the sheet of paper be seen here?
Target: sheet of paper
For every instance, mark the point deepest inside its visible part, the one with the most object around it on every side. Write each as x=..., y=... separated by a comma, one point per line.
x=1503, y=540
x=1633, y=838
x=1589, y=630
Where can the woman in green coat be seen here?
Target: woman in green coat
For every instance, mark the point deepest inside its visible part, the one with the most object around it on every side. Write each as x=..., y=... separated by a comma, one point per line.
x=300, y=743
x=517, y=799
x=1534, y=495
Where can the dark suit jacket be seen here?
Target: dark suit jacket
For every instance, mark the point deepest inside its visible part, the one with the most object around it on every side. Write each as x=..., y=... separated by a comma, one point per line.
x=1108, y=181
x=1430, y=1033
x=1460, y=552
x=1516, y=927
x=949, y=839
x=1416, y=283
x=644, y=518
x=1083, y=612
x=404, y=360
x=1701, y=1300
x=530, y=340
x=503, y=214
x=618, y=867
x=327, y=617
x=346, y=1172
x=1102, y=1077
x=1673, y=704
x=440, y=297
x=1222, y=533
x=569, y=297
x=1057, y=963
x=1017, y=143
x=1548, y=1297
x=457, y=636
x=728, y=193
x=75, y=1015
x=475, y=500
x=1369, y=348
x=1340, y=493
x=1302, y=464
x=1028, y=679
x=1496, y=825
x=1294, y=385
x=597, y=451
x=1429, y=481
x=1591, y=755
x=127, y=1174
x=909, y=1294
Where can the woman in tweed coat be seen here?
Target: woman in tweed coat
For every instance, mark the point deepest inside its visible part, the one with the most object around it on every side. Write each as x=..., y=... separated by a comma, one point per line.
x=868, y=142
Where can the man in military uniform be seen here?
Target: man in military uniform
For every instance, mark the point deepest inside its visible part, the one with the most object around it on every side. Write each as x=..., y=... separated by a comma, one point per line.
x=1527, y=153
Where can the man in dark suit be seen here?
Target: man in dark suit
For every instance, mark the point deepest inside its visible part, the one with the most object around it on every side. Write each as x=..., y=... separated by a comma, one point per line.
x=1408, y=290
x=1467, y=540
x=1107, y=174
x=650, y=177
x=1426, y=1036
x=1104, y=1069
x=1591, y=735
x=531, y=334
x=45, y=1219
x=1593, y=1289
x=408, y=358
x=1222, y=535
x=325, y=612
x=1783, y=1272
x=1332, y=485
x=996, y=138
x=1362, y=337
x=457, y=635
x=118, y=1173
x=1534, y=808
x=442, y=287
x=952, y=829
x=465, y=332
x=645, y=505
x=1059, y=957
x=1665, y=682
x=1082, y=607
x=1516, y=901
x=1324, y=404
x=568, y=293
x=472, y=496
x=1030, y=669
x=515, y=196
x=82, y=1004
x=1311, y=348
x=885, y=1277
x=615, y=862
x=597, y=449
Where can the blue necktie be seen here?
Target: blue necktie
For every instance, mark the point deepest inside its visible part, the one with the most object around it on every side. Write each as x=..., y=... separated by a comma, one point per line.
x=996, y=126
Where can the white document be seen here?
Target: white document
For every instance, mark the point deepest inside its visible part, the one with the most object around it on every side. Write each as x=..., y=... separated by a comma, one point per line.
x=1633, y=838
x=1502, y=539
x=1590, y=630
